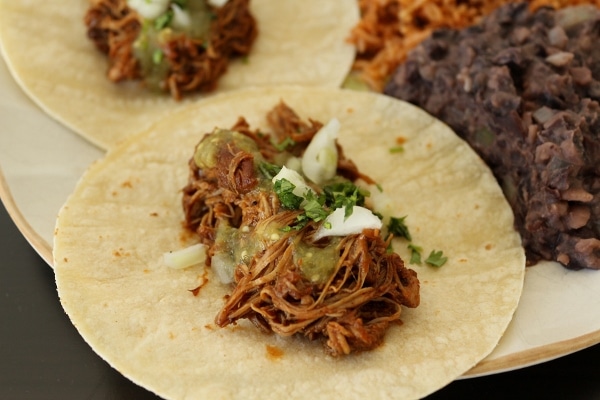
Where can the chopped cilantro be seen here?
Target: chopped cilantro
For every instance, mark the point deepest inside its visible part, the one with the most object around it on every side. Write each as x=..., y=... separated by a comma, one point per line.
x=315, y=207
x=284, y=144
x=344, y=195
x=301, y=221
x=157, y=56
x=285, y=191
x=163, y=20
x=436, y=258
x=268, y=170
x=398, y=228
x=181, y=3
x=415, y=253
x=396, y=149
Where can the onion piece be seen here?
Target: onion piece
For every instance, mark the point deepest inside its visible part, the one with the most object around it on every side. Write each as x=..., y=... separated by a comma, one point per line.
x=319, y=162
x=223, y=266
x=294, y=163
x=186, y=257
x=149, y=9
x=295, y=178
x=336, y=224
x=181, y=18
x=217, y=3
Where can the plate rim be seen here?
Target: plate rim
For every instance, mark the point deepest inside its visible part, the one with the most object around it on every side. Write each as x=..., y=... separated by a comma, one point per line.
x=39, y=244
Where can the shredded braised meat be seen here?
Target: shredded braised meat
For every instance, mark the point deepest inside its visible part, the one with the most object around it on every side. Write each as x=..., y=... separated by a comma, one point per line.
x=352, y=309
x=113, y=27
x=193, y=65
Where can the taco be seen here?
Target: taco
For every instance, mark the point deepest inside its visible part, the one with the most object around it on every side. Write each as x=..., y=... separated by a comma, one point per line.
x=156, y=324
x=63, y=72
x=177, y=46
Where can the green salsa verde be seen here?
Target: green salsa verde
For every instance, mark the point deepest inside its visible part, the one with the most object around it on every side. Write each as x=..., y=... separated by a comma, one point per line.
x=183, y=17
x=241, y=245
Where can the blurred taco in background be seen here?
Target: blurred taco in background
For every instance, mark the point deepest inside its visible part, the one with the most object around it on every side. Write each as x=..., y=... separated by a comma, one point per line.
x=62, y=70
x=181, y=46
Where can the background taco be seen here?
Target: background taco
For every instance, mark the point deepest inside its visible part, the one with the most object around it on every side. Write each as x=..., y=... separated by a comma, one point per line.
x=139, y=315
x=48, y=53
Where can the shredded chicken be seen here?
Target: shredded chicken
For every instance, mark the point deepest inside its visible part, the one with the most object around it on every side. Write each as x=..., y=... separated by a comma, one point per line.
x=193, y=64
x=351, y=309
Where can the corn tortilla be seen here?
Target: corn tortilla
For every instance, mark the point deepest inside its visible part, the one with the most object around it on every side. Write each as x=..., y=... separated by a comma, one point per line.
x=139, y=315
x=47, y=51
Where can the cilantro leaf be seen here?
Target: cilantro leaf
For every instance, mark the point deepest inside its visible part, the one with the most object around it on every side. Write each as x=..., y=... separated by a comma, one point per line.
x=284, y=144
x=163, y=20
x=436, y=258
x=157, y=56
x=268, y=170
x=397, y=149
x=344, y=195
x=315, y=207
x=415, y=253
x=181, y=3
x=285, y=191
x=397, y=227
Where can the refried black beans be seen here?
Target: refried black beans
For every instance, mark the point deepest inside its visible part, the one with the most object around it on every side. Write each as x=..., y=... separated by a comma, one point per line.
x=523, y=89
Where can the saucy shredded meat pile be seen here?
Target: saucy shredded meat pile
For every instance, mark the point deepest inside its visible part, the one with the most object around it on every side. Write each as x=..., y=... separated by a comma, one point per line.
x=192, y=64
x=350, y=307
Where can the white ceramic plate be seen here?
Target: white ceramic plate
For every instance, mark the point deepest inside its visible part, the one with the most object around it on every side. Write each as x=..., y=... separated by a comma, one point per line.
x=41, y=161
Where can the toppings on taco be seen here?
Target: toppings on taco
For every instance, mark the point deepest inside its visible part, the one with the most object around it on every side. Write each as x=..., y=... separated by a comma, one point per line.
x=305, y=256
x=179, y=46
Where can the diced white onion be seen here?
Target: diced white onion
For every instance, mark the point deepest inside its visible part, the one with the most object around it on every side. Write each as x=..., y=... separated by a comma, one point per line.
x=295, y=178
x=319, y=162
x=361, y=218
x=217, y=3
x=294, y=163
x=223, y=266
x=181, y=18
x=149, y=9
x=185, y=257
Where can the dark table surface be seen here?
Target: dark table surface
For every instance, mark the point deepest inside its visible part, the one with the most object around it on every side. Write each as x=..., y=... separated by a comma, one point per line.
x=43, y=357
